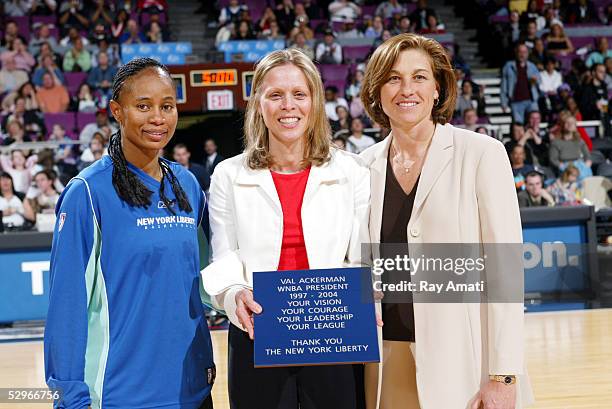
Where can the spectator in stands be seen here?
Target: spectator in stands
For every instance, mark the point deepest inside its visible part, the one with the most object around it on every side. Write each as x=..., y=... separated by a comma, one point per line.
x=285, y=15
x=566, y=189
x=213, y=158
x=354, y=88
x=432, y=26
x=264, y=22
x=31, y=120
x=119, y=25
x=569, y=148
x=349, y=31
x=534, y=119
x=112, y=53
x=182, y=155
x=571, y=111
x=300, y=11
x=98, y=33
x=550, y=81
x=70, y=39
x=77, y=59
x=301, y=44
x=404, y=26
x=528, y=141
x=52, y=97
x=101, y=77
x=470, y=119
x=10, y=77
x=42, y=35
x=15, y=133
x=600, y=54
x=329, y=51
x=594, y=96
x=45, y=199
x=155, y=18
x=358, y=141
x=101, y=121
x=102, y=14
x=534, y=194
x=47, y=66
x=85, y=100
x=11, y=31
x=538, y=55
x=468, y=100
x=533, y=14
x=245, y=32
x=519, y=168
x=419, y=16
x=23, y=59
x=332, y=100
x=27, y=92
x=386, y=9
x=483, y=130
x=530, y=35
x=150, y=6
x=581, y=12
x=11, y=206
x=376, y=29
x=225, y=33
x=72, y=15
x=94, y=151
x=344, y=119
x=19, y=168
x=339, y=142
x=46, y=50
x=505, y=36
x=133, y=34
x=575, y=77
x=154, y=34
x=557, y=42
x=519, y=85
x=65, y=154
x=342, y=10
x=231, y=12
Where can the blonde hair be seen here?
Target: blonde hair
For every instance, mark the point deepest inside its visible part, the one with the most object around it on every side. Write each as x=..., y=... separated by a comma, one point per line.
x=381, y=63
x=318, y=131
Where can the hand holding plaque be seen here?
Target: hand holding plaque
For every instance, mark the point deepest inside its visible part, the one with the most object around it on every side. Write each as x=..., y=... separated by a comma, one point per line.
x=245, y=307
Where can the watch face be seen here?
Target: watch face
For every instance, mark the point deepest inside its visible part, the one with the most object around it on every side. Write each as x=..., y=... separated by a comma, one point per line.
x=508, y=380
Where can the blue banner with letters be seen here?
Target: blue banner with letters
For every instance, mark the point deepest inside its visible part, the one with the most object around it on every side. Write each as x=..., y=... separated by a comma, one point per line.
x=314, y=317
x=166, y=53
x=250, y=50
x=24, y=285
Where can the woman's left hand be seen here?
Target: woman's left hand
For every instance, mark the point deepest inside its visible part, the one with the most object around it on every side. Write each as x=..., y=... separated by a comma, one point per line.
x=496, y=395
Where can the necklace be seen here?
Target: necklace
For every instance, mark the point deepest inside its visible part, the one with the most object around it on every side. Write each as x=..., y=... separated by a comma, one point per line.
x=405, y=164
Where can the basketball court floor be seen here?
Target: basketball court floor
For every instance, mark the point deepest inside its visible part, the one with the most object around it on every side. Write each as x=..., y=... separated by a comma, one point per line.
x=569, y=359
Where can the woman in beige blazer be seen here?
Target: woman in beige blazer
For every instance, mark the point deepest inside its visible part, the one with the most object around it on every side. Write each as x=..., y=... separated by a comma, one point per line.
x=289, y=202
x=452, y=186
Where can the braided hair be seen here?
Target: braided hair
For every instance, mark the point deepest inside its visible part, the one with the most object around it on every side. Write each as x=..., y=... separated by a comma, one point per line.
x=127, y=185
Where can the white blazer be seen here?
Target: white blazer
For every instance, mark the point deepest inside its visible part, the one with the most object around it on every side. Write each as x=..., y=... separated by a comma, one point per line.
x=246, y=223
x=465, y=194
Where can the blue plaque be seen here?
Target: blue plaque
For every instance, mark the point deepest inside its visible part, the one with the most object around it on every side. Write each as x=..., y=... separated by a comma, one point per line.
x=314, y=317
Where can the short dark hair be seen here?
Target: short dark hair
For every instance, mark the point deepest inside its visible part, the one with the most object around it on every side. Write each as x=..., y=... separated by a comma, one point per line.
x=180, y=146
x=533, y=173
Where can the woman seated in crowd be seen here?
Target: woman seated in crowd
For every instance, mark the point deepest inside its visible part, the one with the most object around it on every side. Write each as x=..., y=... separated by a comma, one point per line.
x=18, y=49
x=27, y=92
x=85, y=100
x=15, y=133
x=468, y=99
x=557, y=42
x=565, y=190
x=92, y=153
x=343, y=122
x=11, y=206
x=19, y=167
x=569, y=148
x=42, y=199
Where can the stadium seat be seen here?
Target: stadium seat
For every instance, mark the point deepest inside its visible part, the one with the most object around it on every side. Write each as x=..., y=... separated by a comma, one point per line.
x=595, y=189
x=84, y=118
x=334, y=72
x=23, y=24
x=605, y=169
x=74, y=81
x=355, y=53
x=64, y=118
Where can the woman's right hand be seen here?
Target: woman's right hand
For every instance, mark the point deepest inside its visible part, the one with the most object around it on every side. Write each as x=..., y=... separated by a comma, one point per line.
x=245, y=307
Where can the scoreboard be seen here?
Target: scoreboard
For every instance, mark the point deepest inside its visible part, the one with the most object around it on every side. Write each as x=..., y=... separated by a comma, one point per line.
x=212, y=87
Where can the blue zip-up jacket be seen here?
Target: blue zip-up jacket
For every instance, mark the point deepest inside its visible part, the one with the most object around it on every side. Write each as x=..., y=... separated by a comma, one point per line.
x=126, y=326
x=509, y=78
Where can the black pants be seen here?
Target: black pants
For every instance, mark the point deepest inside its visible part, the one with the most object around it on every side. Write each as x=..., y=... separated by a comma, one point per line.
x=208, y=403
x=303, y=387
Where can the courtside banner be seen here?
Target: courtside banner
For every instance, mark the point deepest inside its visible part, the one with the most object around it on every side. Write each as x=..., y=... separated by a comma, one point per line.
x=314, y=317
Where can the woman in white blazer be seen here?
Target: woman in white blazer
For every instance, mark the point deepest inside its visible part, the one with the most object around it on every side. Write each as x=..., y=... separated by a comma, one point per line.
x=452, y=186
x=289, y=202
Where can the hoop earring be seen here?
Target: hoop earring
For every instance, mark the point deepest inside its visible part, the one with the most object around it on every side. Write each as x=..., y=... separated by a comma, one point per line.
x=436, y=102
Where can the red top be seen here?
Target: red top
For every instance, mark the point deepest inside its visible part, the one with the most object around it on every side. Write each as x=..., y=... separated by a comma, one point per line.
x=290, y=189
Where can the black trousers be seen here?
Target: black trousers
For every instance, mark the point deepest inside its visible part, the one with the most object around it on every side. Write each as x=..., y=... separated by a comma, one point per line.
x=304, y=387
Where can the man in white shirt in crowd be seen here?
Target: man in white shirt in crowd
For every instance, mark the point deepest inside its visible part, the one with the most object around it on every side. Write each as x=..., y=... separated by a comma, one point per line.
x=341, y=10
x=550, y=78
x=101, y=121
x=332, y=100
x=358, y=141
x=329, y=51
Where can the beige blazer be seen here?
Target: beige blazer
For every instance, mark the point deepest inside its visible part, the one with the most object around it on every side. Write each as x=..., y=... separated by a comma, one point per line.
x=465, y=194
x=246, y=223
